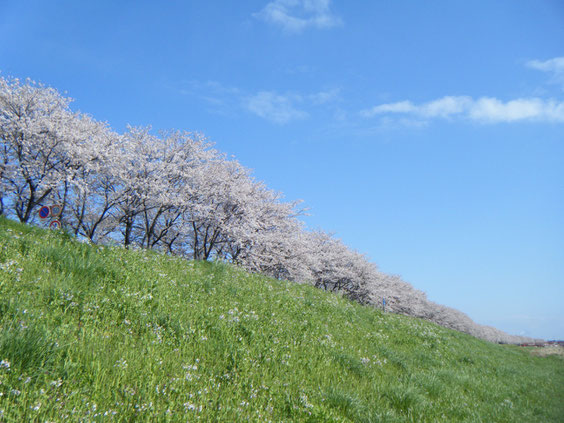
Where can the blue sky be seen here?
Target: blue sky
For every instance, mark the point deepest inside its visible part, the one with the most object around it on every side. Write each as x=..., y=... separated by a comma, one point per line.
x=428, y=135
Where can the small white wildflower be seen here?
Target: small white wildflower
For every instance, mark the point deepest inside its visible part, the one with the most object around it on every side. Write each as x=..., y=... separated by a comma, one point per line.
x=56, y=383
x=189, y=367
x=305, y=401
x=121, y=364
x=5, y=364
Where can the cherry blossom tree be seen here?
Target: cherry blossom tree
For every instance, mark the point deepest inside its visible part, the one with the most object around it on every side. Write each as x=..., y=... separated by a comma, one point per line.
x=266, y=238
x=34, y=133
x=179, y=160
x=90, y=192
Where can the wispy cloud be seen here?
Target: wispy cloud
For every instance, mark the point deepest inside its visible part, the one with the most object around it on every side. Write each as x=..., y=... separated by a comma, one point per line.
x=283, y=108
x=296, y=15
x=554, y=67
x=484, y=109
x=324, y=97
x=214, y=96
x=487, y=110
x=275, y=107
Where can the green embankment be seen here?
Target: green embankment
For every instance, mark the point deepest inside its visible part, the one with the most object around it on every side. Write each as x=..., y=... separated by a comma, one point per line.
x=90, y=333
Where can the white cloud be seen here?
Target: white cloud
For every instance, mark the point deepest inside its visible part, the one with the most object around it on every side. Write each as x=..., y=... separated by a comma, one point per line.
x=283, y=108
x=324, y=97
x=494, y=110
x=399, y=107
x=275, y=107
x=296, y=15
x=214, y=96
x=446, y=106
x=554, y=66
x=484, y=109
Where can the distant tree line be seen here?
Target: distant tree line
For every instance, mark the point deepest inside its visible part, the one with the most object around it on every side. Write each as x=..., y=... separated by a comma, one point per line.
x=174, y=192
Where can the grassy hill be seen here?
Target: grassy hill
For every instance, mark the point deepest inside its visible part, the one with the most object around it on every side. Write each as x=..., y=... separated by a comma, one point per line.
x=90, y=333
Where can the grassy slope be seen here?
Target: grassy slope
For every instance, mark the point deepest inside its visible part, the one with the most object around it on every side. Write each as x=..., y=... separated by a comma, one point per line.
x=105, y=334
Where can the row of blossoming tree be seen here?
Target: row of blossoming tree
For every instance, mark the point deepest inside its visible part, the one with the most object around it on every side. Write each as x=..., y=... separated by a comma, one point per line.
x=175, y=192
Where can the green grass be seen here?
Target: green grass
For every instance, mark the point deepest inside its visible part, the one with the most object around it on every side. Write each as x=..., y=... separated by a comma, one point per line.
x=90, y=333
